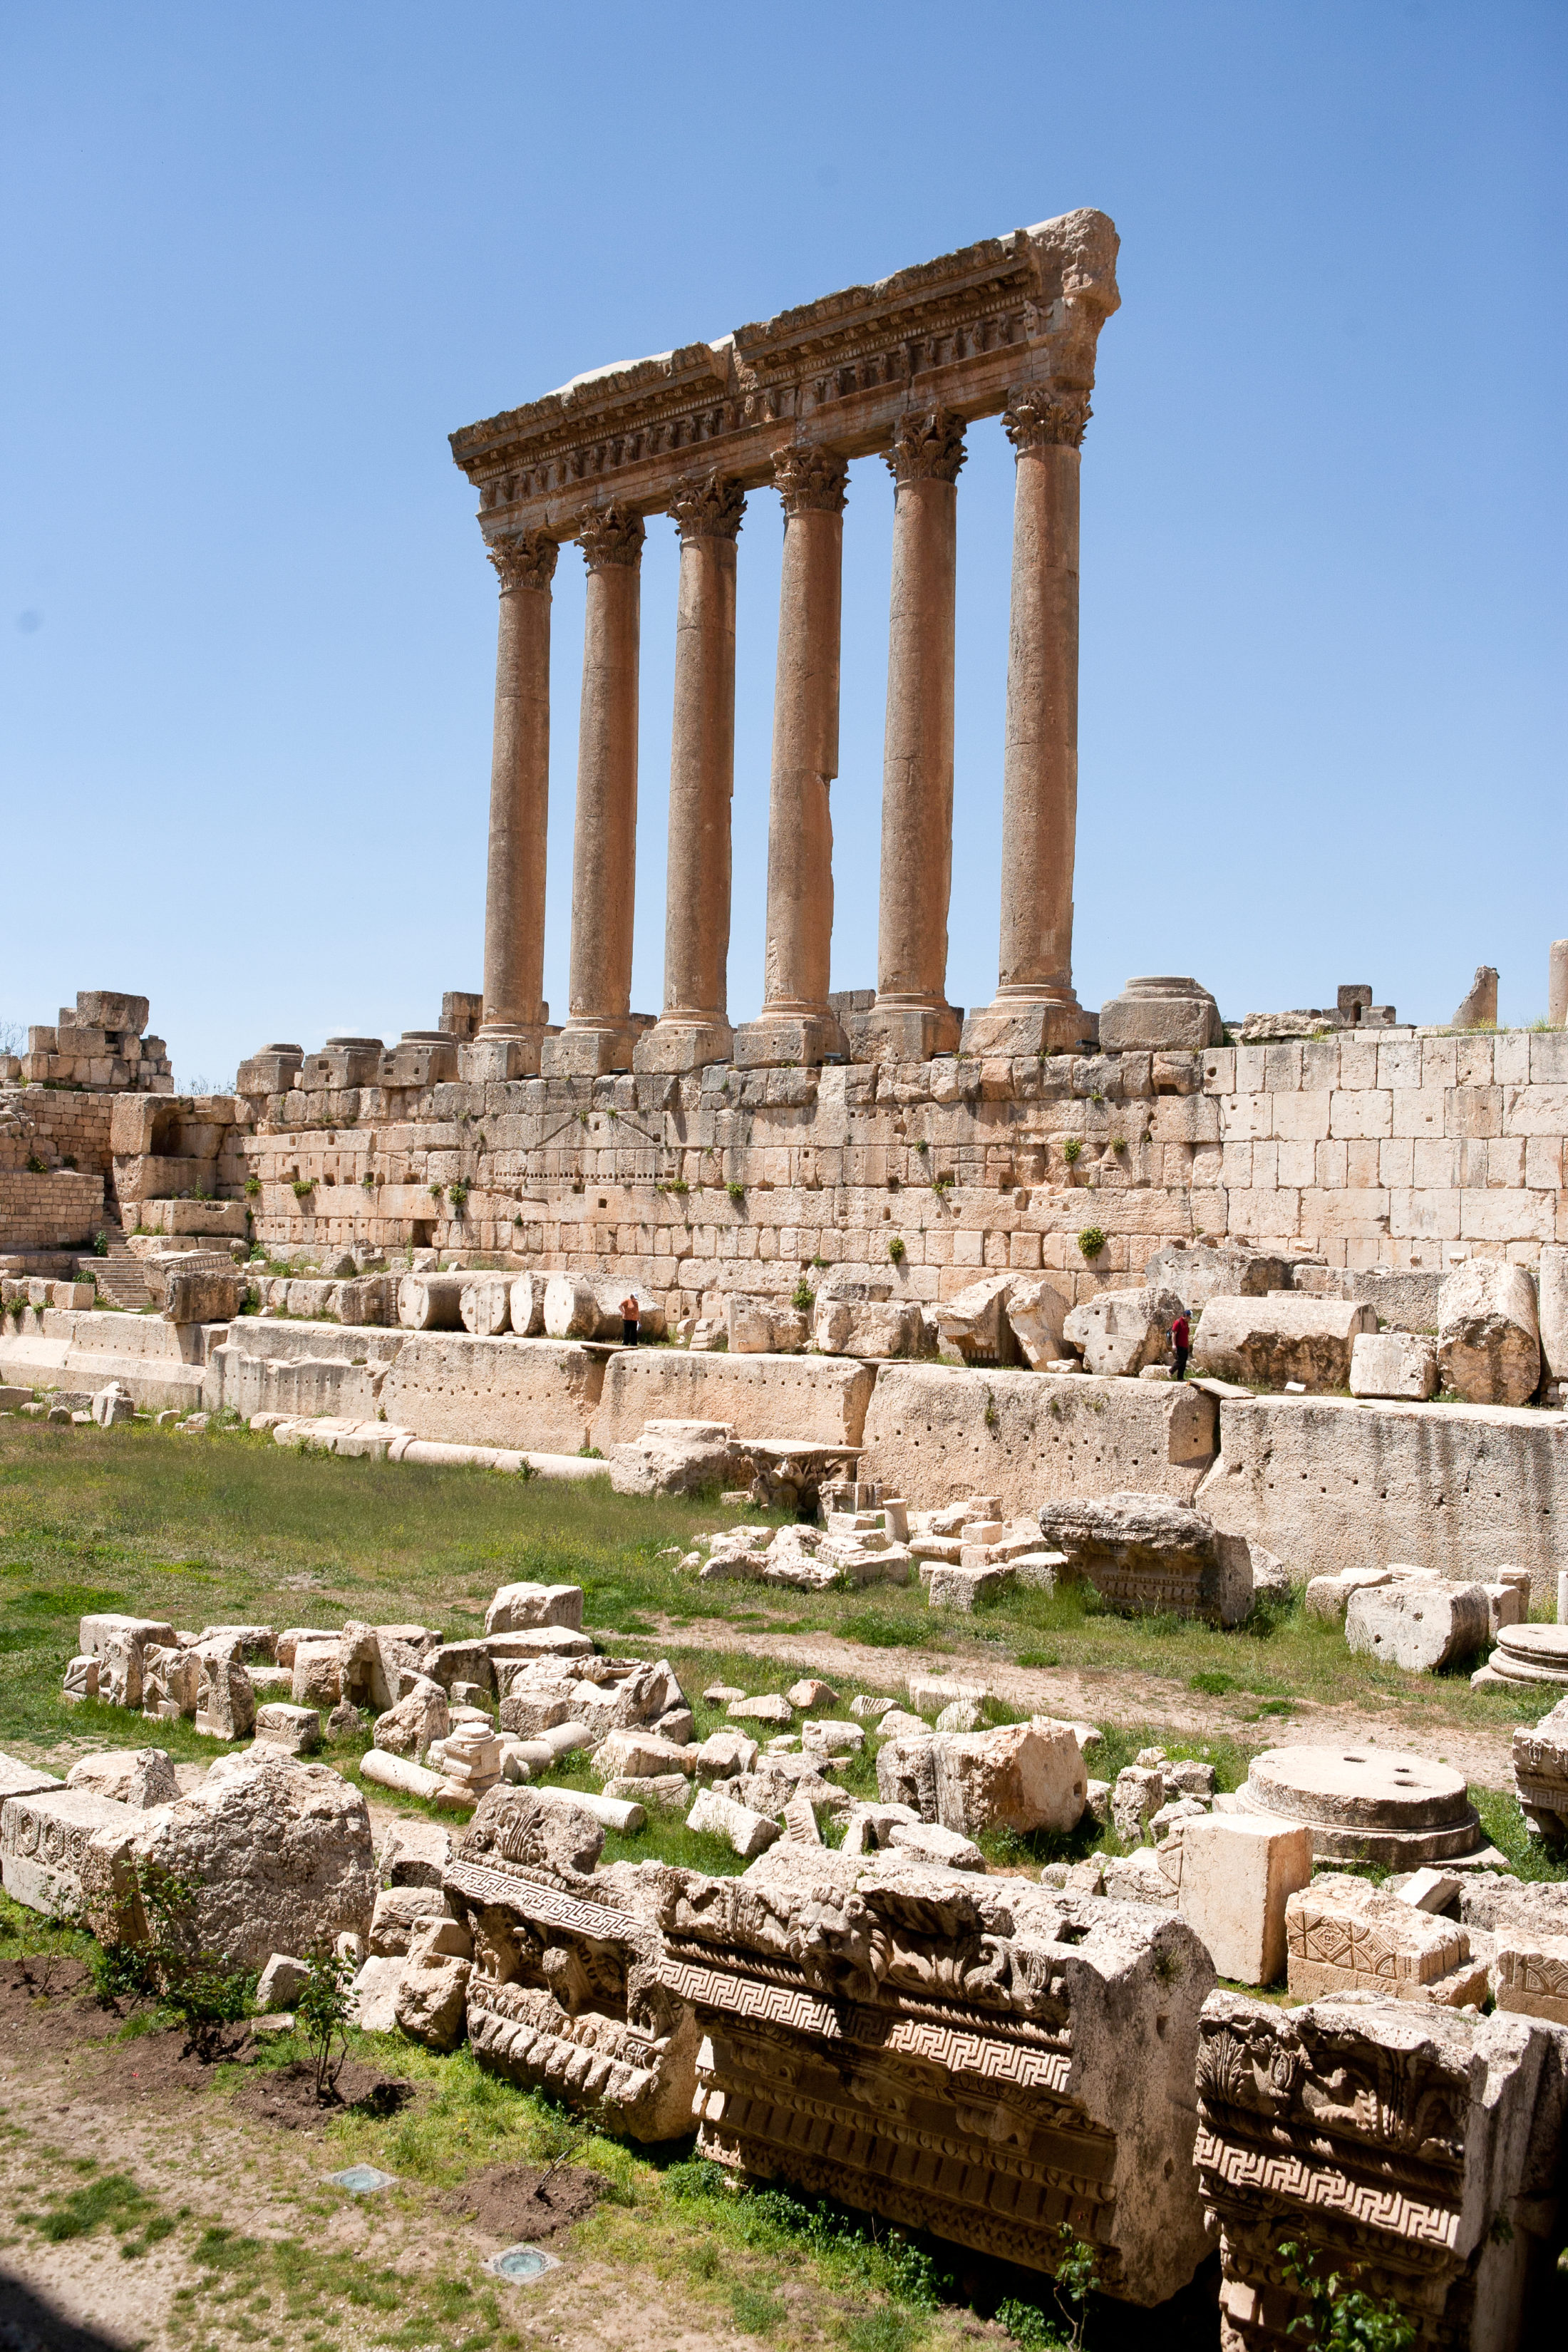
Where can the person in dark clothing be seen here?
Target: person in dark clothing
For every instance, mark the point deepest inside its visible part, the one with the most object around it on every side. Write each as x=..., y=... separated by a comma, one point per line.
x=1182, y=1341
x=631, y=1320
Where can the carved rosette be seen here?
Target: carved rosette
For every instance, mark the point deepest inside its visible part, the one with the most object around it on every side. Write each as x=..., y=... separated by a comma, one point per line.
x=527, y=560
x=708, y=507
x=1040, y=420
x=810, y=481
x=928, y=448
x=611, y=535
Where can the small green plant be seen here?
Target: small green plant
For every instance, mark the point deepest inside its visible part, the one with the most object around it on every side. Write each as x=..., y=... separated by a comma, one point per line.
x=1091, y=1240
x=1118, y=1143
x=922, y=1147
x=203, y=1988
x=367, y=1181
x=736, y=1191
x=993, y=1418
x=438, y=1192
x=896, y=1249
x=1071, y=2286
x=303, y=1186
x=457, y=1193
x=820, y=1263
x=803, y=1299
x=1097, y=1095
x=1072, y=1150
x=1339, y=2317
x=17, y=1308
x=943, y=1181
x=323, y=2010
x=100, y=1244
x=677, y=1184
x=252, y=1188
x=35, y=1165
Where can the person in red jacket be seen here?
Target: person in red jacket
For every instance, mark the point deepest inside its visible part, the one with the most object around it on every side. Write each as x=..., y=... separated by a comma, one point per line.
x=1182, y=1341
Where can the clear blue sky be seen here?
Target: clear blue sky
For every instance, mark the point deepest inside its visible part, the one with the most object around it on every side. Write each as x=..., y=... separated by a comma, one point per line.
x=257, y=263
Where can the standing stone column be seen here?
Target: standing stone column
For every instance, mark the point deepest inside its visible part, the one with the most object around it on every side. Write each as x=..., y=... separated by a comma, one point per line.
x=911, y=1019
x=514, y=1008
x=796, y=1022
x=598, y=1033
x=1034, y=1005
x=694, y=1028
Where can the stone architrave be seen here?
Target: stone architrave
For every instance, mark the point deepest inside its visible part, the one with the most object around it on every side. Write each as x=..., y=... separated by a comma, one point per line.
x=565, y=1994
x=1343, y=1935
x=514, y=1005
x=1147, y=1554
x=598, y=1033
x=797, y=1024
x=1540, y=1774
x=964, y=2054
x=911, y=1019
x=1393, y=2143
x=1034, y=1004
x=1164, y=1015
x=46, y=1841
x=694, y=1028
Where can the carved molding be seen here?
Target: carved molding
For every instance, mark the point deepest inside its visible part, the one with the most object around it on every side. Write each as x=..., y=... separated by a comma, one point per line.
x=928, y=448
x=611, y=535
x=710, y=506
x=810, y=481
x=1042, y=420
x=527, y=560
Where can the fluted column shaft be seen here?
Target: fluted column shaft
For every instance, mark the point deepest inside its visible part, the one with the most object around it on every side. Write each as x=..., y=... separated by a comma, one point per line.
x=797, y=1024
x=917, y=767
x=519, y=790
x=693, y=1028
x=598, y=1035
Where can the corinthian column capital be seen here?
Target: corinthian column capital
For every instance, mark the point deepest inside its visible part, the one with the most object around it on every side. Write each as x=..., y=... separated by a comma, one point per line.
x=928, y=447
x=609, y=535
x=1040, y=420
x=526, y=559
x=810, y=481
x=708, y=506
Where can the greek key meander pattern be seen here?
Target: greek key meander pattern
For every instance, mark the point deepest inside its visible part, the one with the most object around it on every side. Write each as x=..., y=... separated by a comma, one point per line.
x=551, y=1908
x=1000, y=2025
x=1293, y=2181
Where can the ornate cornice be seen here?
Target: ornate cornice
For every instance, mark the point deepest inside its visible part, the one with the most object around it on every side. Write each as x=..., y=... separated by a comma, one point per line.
x=810, y=481
x=1042, y=420
x=611, y=535
x=708, y=506
x=526, y=559
x=928, y=448
x=962, y=332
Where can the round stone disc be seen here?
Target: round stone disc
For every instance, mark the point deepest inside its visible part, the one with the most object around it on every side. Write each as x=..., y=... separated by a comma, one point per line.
x=1366, y=1804
x=1543, y=1645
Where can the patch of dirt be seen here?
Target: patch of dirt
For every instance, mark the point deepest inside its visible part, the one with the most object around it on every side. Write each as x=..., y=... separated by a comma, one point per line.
x=524, y=2202
x=1095, y=1692
x=49, y=2005
x=285, y=2096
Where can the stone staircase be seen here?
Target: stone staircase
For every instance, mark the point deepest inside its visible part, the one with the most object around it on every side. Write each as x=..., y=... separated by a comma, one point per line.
x=121, y=1276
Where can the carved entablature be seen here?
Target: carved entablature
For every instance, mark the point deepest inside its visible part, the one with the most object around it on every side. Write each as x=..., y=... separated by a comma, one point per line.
x=966, y=334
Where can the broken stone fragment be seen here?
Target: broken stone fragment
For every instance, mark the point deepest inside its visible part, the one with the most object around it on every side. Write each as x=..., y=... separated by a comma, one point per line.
x=748, y=1833
x=1399, y=1364
x=132, y=1776
x=1020, y=1776
x=430, y=2003
x=1119, y=1331
x=1488, y=1333
x=1419, y=1627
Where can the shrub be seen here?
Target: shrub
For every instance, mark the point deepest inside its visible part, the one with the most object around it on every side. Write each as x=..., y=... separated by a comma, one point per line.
x=737, y=1191
x=1072, y=2285
x=1339, y=2316
x=438, y=1192
x=1072, y=1149
x=1091, y=1240
x=802, y=1297
x=457, y=1193
x=896, y=1249
x=100, y=1244
x=35, y=1165
x=303, y=1186
x=323, y=2010
x=252, y=1188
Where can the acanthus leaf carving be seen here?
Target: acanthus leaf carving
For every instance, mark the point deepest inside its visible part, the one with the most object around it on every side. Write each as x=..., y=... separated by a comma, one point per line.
x=526, y=559
x=811, y=480
x=611, y=535
x=1042, y=420
x=708, y=506
x=928, y=447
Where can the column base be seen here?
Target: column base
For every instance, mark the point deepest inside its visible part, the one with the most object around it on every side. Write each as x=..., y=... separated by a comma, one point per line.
x=904, y=1033
x=592, y=1051
x=496, y=1054
x=787, y=1040
x=674, y=1045
x=1017, y=1026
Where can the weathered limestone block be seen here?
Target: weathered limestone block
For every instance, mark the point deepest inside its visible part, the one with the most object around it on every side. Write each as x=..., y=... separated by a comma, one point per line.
x=673, y=1457
x=1411, y=2150
x=866, y=1327
x=906, y=1772
x=974, y=1326
x=81, y=1680
x=398, y=1910
x=1553, y=1272
x=114, y=1406
x=1159, y=1015
x=1393, y=1364
x=1144, y=1553
x=1232, y=1271
x=318, y=1673
x=204, y=1298
x=764, y=1326
x=297, y=1730
x=572, y=1309
x=641, y=1753
x=724, y=1755
x=1136, y=1797
x=518, y=1607
x=525, y=1308
x=18, y=1780
x=966, y=1588
x=931, y=1432
x=132, y=1776
x=1329, y=1597
x=46, y=1837
x=1118, y=1332
x=1476, y=1008
x=277, y=1853
x=415, y=1853
x=225, y=1698
x=420, y=1717
x=170, y=1682
x=772, y=1397
x=1234, y=1876
x=1036, y=1311
x=1046, y=2079
x=1419, y=1626
x=1366, y=1804
x=1021, y=1775
x=1285, y=1336
x=1540, y=1774
x=565, y=1994
x=741, y=1825
x=1489, y=1334
x=431, y=2001
x=1344, y=1934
